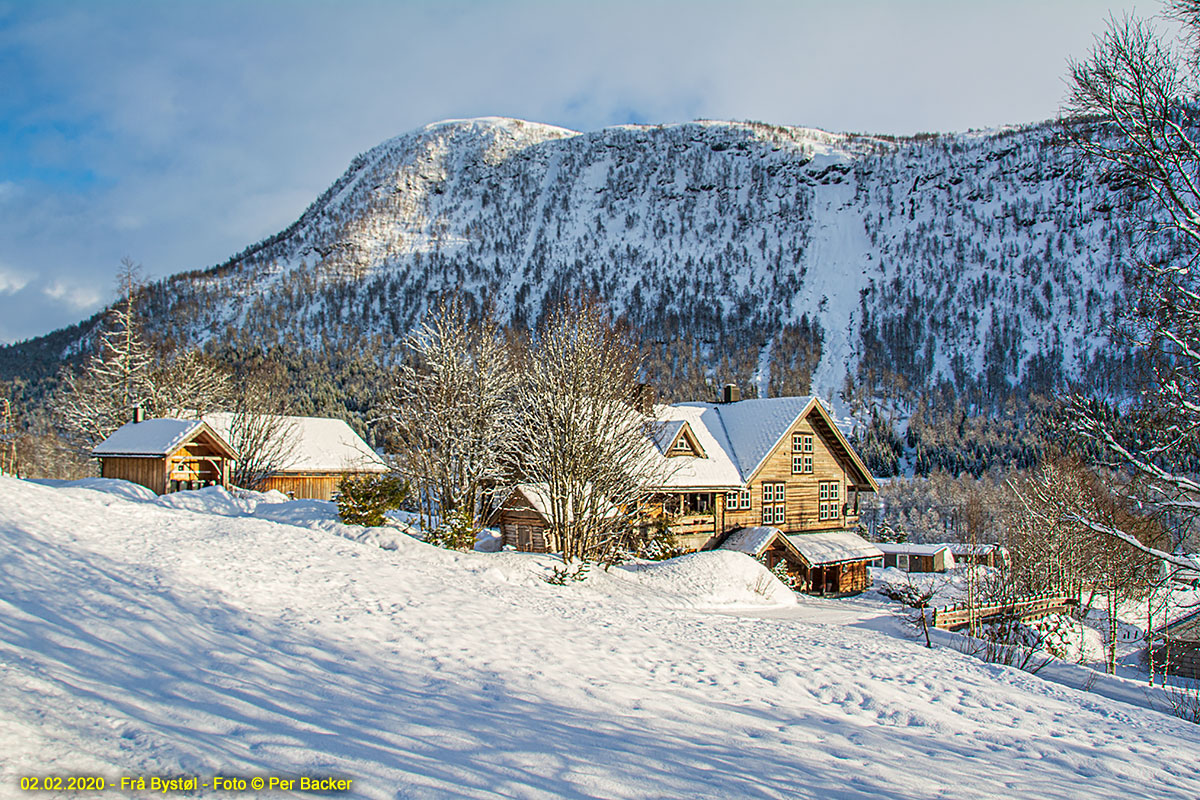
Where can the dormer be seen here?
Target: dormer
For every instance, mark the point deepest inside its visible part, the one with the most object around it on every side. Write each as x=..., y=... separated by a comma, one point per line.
x=685, y=443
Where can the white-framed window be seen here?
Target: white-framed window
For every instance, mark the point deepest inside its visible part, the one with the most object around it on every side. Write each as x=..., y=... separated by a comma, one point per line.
x=830, y=507
x=802, y=447
x=774, y=503
x=902, y=562
x=737, y=499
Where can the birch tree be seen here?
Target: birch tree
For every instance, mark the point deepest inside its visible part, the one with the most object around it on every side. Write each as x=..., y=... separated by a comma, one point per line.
x=452, y=411
x=1133, y=109
x=579, y=435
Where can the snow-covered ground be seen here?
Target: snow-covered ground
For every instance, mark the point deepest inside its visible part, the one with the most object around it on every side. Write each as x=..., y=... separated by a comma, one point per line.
x=203, y=634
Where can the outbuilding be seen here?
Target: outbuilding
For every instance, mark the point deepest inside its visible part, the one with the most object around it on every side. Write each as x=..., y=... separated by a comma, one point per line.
x=908, y=557
x=315, y=454
x=166, y=455
x=1176, y=647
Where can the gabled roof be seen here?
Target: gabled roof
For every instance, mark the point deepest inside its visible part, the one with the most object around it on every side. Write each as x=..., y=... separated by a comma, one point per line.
x=901, y=548
x=538, y=497
x=833, y=547
x=737, y=438
x=715, y=469
x=157, y=437
x=321, y=444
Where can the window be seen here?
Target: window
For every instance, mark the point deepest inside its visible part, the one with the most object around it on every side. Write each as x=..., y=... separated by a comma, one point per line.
x=738, y=499
x=774, y=503
x=902, y=562
x=802, y=447
x=829, y=495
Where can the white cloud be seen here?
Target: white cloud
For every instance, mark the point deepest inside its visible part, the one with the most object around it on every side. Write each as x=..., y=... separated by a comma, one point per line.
x=78, y=297
x=11, y=281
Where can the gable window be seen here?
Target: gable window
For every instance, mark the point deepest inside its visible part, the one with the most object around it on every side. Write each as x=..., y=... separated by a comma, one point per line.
x=682, y=446
x=830, y=500
x=774, y=503
x=737, y=500
x=802, y=448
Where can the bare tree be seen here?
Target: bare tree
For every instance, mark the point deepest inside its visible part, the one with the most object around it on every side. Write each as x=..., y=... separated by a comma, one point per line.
x=1054, y=550
x=452, y=412
x=1134, y=109
x=258, y=425
x=579, y=434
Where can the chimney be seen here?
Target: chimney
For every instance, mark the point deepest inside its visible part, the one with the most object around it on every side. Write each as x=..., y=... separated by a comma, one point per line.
x=138, y=413
x=643, y=397
x=730, y=393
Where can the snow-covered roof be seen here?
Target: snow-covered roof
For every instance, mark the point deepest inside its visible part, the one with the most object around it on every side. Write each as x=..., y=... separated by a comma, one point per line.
x=751, y=541
x=154, y=437
x=750, y=428
x=832, y=547
x=715, y=469
x=665, y=433
x=964, y=549
x=321, y=444
x=735, y=438
x=538, y=495
x=902, y=548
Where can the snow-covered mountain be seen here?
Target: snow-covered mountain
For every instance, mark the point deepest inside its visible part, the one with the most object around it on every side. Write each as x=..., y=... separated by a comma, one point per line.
x=744, y=251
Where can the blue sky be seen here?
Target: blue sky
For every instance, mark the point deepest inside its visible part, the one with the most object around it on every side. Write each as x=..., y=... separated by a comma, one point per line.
x=177, y=133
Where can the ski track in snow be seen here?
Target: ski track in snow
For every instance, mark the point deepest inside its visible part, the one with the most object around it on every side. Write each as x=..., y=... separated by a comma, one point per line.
x=136, y=638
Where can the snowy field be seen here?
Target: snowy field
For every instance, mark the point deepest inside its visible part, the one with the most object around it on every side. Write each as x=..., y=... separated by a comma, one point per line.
x=201, y=634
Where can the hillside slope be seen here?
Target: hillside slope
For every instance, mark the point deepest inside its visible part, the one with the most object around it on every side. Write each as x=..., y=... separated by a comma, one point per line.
x=245, y=637
x=985, y=264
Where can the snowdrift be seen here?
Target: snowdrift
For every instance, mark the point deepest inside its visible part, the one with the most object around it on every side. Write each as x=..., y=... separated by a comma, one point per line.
x=140, y=638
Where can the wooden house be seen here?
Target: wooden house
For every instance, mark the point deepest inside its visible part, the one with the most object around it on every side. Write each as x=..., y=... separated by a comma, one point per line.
x=1176, y=646
x=834, y=562
x=776, y=462
x=318, y=453
x=166, y=455
x=908, y=557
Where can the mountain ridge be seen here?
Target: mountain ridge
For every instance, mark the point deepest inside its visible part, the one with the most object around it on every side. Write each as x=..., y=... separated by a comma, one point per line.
x=984, y=264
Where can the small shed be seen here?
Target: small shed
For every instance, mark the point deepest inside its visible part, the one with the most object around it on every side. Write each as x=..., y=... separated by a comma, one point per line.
x=908, y=557
x=985, y=555
x=166, y=455
x=768, y=545
x=835, y=562
x=524, y=518
x=1176, y=647
x=319, y=453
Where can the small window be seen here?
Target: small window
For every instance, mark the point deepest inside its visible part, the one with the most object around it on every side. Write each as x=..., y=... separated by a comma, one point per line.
x=902, y=562
x=797, y=443
x=738, y=499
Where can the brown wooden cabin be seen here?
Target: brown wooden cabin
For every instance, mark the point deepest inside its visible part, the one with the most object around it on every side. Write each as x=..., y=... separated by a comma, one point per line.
x=523, y=519
x=166, y=455
x=321, y=452
x=830, y=563
x=1177, y=647
x=908, y=557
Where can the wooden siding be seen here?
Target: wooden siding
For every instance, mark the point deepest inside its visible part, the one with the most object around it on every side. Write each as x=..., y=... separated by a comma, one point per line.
x=306, y=486
x=802, y=492
x=148, y=472
x=523, y=529
x=1180, y=658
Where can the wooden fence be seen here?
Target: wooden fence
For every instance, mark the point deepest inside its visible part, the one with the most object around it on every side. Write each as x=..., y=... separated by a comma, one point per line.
x=1025, y=608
